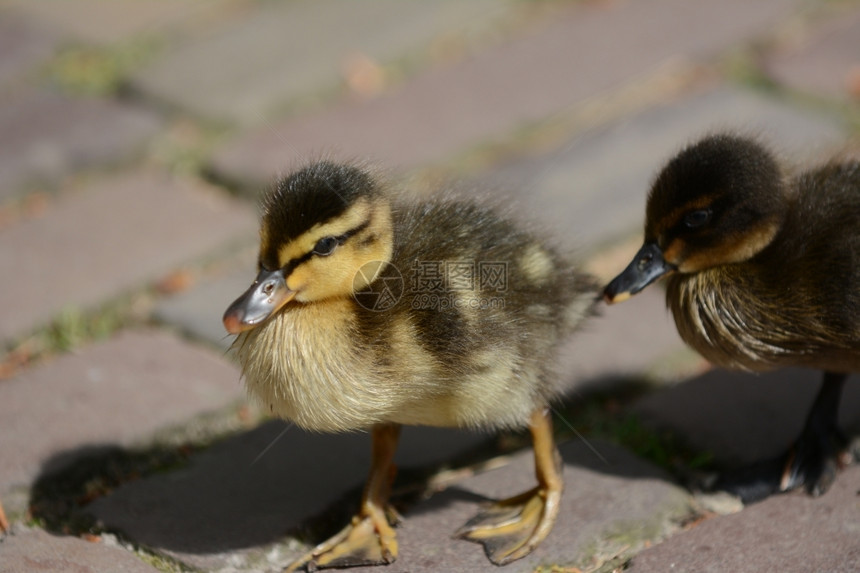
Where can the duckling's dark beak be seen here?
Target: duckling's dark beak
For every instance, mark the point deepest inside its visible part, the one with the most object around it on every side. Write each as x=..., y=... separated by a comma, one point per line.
x=646, y=267
x=263, y=298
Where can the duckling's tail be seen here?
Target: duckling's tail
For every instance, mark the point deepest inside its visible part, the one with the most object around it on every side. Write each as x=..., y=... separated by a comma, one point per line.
x=583, y=300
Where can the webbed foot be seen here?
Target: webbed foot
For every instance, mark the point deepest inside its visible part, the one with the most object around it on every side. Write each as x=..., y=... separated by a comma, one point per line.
x=367, y=540
x=511, y=528
x=812, y=462
x=814, y=459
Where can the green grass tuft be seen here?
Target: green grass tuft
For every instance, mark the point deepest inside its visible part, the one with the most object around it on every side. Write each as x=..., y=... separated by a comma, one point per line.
x=98, y=71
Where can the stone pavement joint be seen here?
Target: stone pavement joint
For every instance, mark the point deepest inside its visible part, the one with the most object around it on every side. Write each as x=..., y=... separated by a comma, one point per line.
x=24, y=46
x=108, y=23
x=140, y=226
x=449, y=109
x=137, y=382
x=264, y=483
x=47, y=136
x=27, y=550
x=827, y=62
x=580, y=190
x=195, y=311
x=206, y=77
x=792, y=533
x=609, y=509
x=183, y=515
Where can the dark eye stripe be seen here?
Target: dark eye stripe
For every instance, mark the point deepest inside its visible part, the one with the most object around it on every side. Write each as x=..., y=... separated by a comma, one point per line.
x=341, y=239
x=292, y=264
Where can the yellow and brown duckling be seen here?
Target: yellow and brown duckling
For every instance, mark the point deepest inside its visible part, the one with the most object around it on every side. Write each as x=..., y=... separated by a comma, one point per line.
x=371, y=312
x=764, y=273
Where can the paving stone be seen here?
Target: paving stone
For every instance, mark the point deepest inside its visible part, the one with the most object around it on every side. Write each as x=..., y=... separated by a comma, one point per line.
x=546, y=70
x=607, y=508
x=827, y=62
x=92, y=244
x=790, y=533
x=47, y=136
x=99, y=22
x=34, y=550
x=741, y=417
x=110, y=394
x=284, y=50
x=594, y=187
x=23, y=46
x=198, y=311
x=261, y=483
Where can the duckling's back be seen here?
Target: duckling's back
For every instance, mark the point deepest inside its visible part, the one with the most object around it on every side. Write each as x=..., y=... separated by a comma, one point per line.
x=483, y=309
x=484, y=256
x=818, y=252
x=822, y=229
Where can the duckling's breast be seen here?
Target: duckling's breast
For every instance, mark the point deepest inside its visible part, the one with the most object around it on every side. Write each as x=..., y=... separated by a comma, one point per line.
x=734, y=321
x=303, y=365
x=325, y=368
x=717, y=325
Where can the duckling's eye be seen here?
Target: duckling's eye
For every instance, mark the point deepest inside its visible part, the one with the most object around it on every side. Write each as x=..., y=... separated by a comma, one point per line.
x=695, y=219
x=325, y=246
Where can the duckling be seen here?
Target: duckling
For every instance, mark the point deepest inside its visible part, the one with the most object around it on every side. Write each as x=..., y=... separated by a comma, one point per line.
x=371, y=311
x=764, y=272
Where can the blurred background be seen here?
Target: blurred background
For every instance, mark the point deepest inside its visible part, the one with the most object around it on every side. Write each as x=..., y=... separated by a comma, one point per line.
x=136, y=136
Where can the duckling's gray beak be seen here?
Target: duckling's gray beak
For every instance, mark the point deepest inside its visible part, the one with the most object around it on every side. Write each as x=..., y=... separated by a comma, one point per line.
x=646, y=267
x=263, y=298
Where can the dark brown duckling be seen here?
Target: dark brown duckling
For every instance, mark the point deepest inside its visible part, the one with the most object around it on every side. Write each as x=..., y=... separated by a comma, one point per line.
x=764, y=273
x=370, y=312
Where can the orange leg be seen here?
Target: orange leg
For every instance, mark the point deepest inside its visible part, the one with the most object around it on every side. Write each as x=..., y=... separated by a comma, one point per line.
x=4, y=523
x=369, y=539
x=511, y=528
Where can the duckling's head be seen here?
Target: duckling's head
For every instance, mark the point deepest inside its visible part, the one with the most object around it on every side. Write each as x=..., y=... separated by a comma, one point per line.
x=325, y=232
x=719, y=201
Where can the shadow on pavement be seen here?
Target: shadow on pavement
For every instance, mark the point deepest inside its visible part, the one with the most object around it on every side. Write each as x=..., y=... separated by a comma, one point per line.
x=256, y=487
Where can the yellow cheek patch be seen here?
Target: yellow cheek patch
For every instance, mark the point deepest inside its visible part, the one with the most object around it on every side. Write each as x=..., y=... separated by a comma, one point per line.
x=732, y=249
x=672, y=253
x=298, y=278
x=753, y=242
x=369, y=239
x=697, y=262
x=323, y=277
